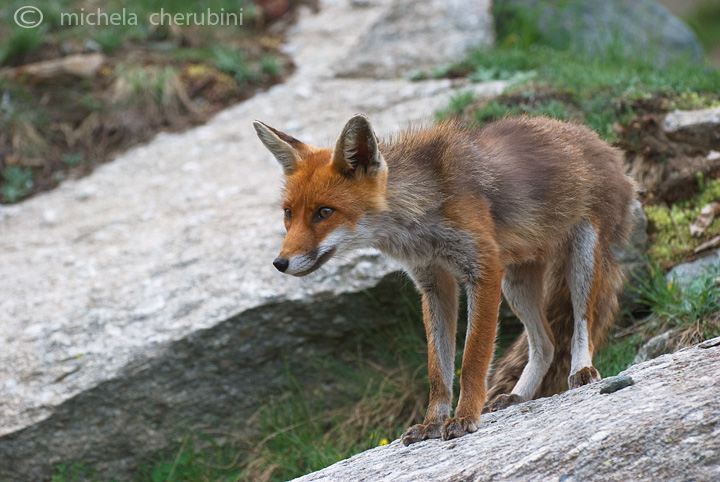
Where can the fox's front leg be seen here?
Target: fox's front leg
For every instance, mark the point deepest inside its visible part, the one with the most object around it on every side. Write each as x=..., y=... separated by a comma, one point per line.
x=439, y=302
x=483, y=304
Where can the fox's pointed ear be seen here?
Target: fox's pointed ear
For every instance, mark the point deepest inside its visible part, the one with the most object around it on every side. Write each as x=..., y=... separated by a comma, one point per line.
x=285, y=148
x=356, y=150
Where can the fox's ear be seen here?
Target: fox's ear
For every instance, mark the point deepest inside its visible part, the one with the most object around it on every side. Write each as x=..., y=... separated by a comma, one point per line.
x=285, y=148
x=356, y=150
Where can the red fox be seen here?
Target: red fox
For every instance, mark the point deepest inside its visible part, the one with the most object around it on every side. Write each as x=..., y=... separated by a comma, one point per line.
x=530, y=207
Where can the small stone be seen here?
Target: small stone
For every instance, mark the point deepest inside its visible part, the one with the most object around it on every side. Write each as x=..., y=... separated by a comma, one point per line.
x=614, y=384
x=710, y=343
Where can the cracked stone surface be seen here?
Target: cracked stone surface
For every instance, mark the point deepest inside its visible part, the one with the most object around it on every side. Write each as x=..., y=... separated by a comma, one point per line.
x=143, y=296
x=666, y=426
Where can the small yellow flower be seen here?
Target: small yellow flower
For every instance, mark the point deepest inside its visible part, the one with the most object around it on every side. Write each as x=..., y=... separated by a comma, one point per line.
x=457, y=372
x=383, y=441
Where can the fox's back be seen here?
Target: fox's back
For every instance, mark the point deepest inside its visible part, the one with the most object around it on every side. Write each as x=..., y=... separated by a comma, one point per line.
x=538, y=177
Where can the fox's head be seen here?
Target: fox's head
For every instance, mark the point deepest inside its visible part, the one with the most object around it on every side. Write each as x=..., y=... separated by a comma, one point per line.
x=327, y=192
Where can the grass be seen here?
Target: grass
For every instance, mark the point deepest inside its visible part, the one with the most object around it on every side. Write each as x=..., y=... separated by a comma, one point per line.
x=76, y=472
x=692, y=313
x=458, y=103
x=597, y=91
x=693, y=309
x=617, y=355
x=20, y=43
x=17, y=183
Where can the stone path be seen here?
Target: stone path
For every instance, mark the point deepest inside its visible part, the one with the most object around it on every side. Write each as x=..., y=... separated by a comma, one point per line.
x=116, y=288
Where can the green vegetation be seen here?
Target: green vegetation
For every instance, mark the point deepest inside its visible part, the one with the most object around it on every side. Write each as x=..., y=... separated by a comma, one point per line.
x=457, y=105
x=669, y=225
x=18, y=182
x=76, y=472
x=617, y=355
x=695, y=309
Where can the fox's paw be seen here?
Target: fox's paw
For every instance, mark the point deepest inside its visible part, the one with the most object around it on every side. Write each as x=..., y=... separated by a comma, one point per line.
x=420, y=432
x=582, y=377
x=505, y=400
x=459, y=426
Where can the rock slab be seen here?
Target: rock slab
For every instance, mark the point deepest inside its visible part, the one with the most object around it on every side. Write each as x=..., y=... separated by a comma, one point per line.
x=415, y=36
x=665, y=426
x=697, y=127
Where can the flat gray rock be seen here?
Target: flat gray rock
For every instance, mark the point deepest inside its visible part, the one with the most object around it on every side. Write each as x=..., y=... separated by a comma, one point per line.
x=665, y=426
x=415, y=36
x=698, y=127
x=142, y=299
x=686, y=273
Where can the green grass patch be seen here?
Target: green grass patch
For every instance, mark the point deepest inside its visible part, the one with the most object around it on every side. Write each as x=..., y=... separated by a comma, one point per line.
x=617, y=355
x=75, y=472
x=20, y=43
x=457, y=105
x=669, y=225
x=597, y=91
x=695, y=306
x=17, y=183
x=691, y=312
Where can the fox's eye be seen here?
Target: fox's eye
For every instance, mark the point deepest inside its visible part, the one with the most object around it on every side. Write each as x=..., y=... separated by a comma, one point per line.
x=288, y=214
x=323, y=213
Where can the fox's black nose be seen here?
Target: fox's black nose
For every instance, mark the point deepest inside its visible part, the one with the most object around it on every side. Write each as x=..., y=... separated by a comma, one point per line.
x=281, y=264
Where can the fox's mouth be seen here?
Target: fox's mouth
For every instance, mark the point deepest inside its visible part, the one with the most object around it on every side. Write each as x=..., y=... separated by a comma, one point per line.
x=321, y=260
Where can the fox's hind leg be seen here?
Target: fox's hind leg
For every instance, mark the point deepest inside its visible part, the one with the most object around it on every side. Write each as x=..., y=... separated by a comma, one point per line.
x=523, y=288
x=584, y=277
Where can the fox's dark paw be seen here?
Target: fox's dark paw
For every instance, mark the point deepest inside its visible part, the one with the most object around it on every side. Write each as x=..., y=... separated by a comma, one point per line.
x=459, y=426
x=505, y=400
x=420, y=432
x=582, y=377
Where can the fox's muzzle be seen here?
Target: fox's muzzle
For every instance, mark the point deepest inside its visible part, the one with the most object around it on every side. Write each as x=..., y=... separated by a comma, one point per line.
x=301, y=265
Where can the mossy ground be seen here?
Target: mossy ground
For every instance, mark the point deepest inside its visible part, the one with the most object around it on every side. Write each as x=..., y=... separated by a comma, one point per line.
x=669, y=225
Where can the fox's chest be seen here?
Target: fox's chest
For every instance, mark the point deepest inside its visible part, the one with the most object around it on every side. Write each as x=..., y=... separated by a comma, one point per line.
x=429, y=242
